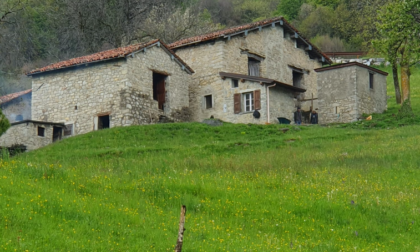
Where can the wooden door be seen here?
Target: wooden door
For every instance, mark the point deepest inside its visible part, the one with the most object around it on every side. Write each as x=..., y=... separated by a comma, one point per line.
x=161, y=93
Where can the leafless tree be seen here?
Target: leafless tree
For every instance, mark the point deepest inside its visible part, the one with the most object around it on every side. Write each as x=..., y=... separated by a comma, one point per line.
x=171, y=24
x=8, y=8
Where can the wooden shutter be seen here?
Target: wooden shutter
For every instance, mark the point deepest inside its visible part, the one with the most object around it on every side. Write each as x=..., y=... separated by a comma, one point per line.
x=237, y=103
x=257, y=99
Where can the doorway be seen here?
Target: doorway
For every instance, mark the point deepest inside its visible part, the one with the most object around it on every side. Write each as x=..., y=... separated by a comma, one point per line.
x=103, y=122
x=57, y=133
x=159, y=92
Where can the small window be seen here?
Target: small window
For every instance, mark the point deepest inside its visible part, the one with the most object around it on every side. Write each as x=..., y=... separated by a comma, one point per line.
x=254, y=67
x=248, y=99
x=41, y=131
x=68, y=130
x=19, y=118
x=297, y=79
x=371, y=80
x=209, y=101
x=235, y=83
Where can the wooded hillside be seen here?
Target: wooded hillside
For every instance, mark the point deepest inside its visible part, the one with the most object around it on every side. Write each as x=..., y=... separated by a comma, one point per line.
x=34, y=33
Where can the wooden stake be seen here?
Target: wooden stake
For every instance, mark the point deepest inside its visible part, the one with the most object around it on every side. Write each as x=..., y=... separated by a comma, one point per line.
x=180, y=240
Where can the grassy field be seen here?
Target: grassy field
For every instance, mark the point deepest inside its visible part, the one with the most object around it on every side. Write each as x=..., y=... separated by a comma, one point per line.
x=246, y=188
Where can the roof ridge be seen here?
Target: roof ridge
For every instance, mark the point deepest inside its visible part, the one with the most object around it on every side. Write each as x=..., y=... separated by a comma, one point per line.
x=105, y=55
x=12, y=96
x=241, y=28
x=322, y=69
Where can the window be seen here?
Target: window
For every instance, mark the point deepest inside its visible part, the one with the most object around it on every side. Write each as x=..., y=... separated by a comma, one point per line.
x=68, y=130
x=19, y=118
x=235, y=83
x=297, y=79
x=103, y=122
x=208, y=99
x=371, y=80
x=254, y=67
x=248, y=99
x=41, y=131
x=247, y=102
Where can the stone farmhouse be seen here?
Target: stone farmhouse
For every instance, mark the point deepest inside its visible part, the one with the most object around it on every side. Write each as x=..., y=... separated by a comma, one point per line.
x=266, y=66
x=132, y=85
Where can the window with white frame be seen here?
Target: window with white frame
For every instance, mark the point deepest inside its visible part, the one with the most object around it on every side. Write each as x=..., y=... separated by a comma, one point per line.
x=248, y=99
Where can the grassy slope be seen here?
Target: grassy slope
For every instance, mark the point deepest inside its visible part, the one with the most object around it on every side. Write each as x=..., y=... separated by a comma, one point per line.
x=246, y=188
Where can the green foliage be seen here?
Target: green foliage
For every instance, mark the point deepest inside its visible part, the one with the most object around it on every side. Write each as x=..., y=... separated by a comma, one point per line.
x=399, y=28
x=329, y=44
x=4, y=123
x=406, y=111
x=289, y=8
x=328, y=3
x=319, y=22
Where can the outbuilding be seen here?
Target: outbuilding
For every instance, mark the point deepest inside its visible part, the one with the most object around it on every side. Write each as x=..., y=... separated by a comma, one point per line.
x=347, y=91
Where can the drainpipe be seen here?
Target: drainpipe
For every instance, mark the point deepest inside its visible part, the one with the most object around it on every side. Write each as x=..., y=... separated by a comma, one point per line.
x=268, y=101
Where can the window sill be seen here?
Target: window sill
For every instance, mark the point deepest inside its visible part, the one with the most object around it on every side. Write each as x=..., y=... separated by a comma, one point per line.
x=245, y=113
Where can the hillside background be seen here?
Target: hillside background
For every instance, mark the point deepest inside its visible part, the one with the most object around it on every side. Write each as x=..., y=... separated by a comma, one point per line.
x=34, y=33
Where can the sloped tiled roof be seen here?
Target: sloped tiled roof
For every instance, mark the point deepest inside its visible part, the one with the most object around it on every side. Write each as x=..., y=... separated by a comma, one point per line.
x=121, y=52
x=349, y=65
x=233, y=30
x=9, y=97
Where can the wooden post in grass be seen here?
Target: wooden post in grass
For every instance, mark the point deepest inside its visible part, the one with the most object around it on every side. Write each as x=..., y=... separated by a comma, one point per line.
x=180, y=240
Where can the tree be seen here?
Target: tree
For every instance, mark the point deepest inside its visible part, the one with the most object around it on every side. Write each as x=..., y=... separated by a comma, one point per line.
x=4, y=123
x=319, y=22
x=399, y=27
x=289, y=8
x=169, y=24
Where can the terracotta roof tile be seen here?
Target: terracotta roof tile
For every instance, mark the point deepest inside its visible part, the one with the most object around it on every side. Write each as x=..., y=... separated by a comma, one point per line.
x=105, y=55
x=233, y=30
x=9, y=97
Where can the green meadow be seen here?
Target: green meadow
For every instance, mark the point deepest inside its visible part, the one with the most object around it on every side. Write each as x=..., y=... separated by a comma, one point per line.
x=352, y=187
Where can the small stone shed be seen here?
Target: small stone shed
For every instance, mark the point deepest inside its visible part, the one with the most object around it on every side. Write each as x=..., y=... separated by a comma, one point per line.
x=17, y=106
x=32, y=134
x=347, y=91
x=132, y=85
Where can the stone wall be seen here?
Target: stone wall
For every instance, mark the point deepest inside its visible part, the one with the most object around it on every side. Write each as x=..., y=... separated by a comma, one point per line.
x=19, y=106
x=337, y=96
x=208, y=59
x=282, y=104
x=27, y=134
x=122, y=89
x=140, y=76
x=280, y=53
x=370, y=100
x=344, y=94
x=76, y=96
x=223, y=101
